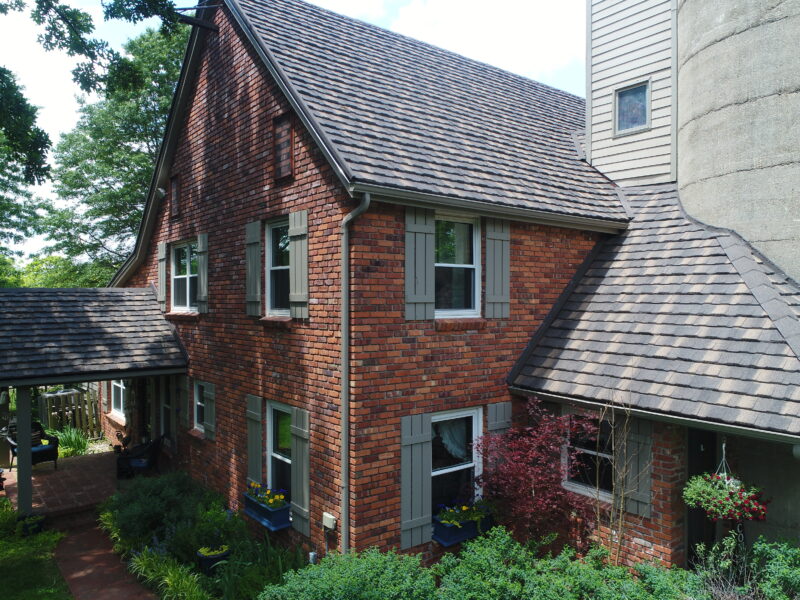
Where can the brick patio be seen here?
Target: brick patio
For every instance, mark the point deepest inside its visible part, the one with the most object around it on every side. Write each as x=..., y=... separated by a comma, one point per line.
x=79, y=484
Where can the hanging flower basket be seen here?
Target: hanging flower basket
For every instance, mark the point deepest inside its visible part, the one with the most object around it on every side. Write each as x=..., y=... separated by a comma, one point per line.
x=722, y=496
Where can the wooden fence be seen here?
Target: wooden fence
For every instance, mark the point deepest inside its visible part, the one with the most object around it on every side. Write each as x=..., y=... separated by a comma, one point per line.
x=74, y=407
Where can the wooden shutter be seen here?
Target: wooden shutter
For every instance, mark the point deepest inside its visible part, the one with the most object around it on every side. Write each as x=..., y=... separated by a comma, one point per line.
x=253, y=268
x=298, y=264
x=632, y=463
x=162, y=276
x=498, y=269
x=499, y=417
x=255, y=442
x=420, y=257
x=415, y=480
x=209, y=411
x=300, y=471
x=202, y=273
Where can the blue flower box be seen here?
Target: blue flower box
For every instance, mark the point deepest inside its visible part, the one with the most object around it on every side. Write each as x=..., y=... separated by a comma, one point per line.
x=273, y=519
x=449, y=535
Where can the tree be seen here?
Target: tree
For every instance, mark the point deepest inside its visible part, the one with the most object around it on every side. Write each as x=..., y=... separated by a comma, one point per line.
x=17, y=207
x=59, y=272
x=10, y=276
x=104, y=166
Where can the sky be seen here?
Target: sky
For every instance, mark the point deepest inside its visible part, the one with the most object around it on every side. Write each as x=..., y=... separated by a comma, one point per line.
x=540, y=39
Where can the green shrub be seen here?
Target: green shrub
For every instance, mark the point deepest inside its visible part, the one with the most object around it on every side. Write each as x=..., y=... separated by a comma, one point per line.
x=71, y=441
x=776, y=568
x=211, y=526
x=371, y=575
x=173, y=580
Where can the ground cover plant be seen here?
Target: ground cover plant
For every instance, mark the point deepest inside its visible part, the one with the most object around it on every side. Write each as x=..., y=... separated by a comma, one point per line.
x=26, y=562
x=71, y=441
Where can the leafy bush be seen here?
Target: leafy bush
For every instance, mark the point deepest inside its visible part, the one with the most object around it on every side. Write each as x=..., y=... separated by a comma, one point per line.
x=71, y=441
x=370, y=575
x=777, y=569
x=173, y=580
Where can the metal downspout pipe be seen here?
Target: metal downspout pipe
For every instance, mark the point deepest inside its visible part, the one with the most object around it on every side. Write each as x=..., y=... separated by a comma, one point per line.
x=345, y=378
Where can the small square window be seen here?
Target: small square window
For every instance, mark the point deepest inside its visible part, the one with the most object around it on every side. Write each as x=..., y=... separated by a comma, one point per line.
x=278, y=268
x=632, y=109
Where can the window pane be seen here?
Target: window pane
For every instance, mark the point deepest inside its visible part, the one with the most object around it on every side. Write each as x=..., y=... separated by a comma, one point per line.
x=594, y=471
x=452, y=442
x=632, y=108
x=180, y=261
x=454, y=243
x=179, y=289
x=600, y=442
x=449, y=489
x=200, y=414
x=455, y=288
x=281, y=476
x=279, y=289
x=281, y=433
x=279, y=246
x=193, y=258
x=193, y=290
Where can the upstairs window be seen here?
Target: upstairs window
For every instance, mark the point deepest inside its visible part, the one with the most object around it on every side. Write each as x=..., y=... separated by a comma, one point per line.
x=456, y=267
x=632, y=109
x=283, y=147
x=184, y=277
x=278, y=268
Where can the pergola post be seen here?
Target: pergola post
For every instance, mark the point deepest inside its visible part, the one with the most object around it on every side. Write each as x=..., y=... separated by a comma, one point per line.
x=24, y=461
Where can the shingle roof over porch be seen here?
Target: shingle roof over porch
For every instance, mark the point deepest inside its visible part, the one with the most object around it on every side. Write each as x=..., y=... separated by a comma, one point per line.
x=61, y=335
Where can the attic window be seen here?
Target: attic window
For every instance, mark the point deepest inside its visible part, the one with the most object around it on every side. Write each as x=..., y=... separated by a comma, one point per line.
x=283, y=136
x=174, y=196
x=632, y=109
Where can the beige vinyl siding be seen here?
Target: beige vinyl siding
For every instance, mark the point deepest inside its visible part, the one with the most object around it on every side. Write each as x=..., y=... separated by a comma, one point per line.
x=631, y=42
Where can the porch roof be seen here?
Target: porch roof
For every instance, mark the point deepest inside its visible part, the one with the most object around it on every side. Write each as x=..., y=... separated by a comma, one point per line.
x=85, y=334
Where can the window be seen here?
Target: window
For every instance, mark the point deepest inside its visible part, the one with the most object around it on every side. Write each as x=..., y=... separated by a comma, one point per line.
x=632, y=109
x=184, y=277
x=589, y=462
x=279, y=448
x=118, y=396
x=283, y=147
x=453, y=461
x=278, y=268
x=199, y=405
x=457, y=267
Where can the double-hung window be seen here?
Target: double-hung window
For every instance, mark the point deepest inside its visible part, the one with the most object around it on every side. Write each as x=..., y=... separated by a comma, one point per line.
x=279, y=448
x=119, y=394
x=457, y=267
x=277, y=244
x=199, y=405
x=184, y=277
x=453, y=460
x=589, y=461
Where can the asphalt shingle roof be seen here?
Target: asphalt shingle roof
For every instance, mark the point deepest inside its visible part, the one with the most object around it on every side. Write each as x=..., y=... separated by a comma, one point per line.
x=410, y=116
x=95, y=332
x=675, y=317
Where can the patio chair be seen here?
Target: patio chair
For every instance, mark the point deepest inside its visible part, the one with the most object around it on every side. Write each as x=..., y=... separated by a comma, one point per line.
x=139, y=459
x=40, y=452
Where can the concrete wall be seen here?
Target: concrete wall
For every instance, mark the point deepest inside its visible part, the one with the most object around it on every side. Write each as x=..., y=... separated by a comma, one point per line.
x=739, y=120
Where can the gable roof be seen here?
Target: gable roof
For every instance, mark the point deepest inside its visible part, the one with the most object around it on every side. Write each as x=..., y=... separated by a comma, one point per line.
x=63, y=335
x=402, y=115
x=676, y=318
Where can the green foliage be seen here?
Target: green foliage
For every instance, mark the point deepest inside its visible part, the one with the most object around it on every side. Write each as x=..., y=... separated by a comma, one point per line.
x=173, y=580
x=211, y=526
x=61, y=272
x=370, y=575
x=777, y=569
x=724, y=497
x=17, y=207
x=26, y=145
x=71, y=441
x=10, y=275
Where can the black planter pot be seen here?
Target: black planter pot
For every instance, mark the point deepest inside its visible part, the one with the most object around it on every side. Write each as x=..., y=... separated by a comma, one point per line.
x=207, y=563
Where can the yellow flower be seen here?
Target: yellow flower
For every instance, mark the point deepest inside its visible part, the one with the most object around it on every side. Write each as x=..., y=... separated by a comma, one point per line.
x=464, y=508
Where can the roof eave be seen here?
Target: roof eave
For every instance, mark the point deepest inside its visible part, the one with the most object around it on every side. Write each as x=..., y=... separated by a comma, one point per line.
x=90, y=376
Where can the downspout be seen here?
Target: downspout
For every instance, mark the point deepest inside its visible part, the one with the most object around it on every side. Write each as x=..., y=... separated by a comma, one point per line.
x=345, y=357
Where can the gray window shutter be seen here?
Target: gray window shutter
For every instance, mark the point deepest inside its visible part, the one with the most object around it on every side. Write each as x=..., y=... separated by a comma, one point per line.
x=254, y=438
x=202, y=273
x=209, y=412
x=298, y=264
x=253, y=268
x=633, y=464
x=498, y=269
x=499, y=417
x=162, y=276
x=300, y=471
x=420, y=258
x=183, y=401
x=415, y=480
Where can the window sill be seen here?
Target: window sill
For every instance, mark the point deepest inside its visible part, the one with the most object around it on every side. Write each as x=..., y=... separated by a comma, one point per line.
x=196, y=433
x=276, y=322
x=590, y=492
x=116, y=418
x=463, y=324
x=182, y=316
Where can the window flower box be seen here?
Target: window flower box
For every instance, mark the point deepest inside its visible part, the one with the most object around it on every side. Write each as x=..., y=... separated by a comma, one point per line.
x=273, y=519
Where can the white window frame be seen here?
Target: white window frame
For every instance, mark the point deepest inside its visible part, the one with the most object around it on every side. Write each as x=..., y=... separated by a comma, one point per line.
x=189, y=308
x=477, y=431
x=123, y=391
x=477, y=258
x=285, y=408
x=274, y=312
x=649, y=108
x=582, y=488
x=199, y=399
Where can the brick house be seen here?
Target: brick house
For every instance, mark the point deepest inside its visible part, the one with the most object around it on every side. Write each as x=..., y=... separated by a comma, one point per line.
x=358, y=237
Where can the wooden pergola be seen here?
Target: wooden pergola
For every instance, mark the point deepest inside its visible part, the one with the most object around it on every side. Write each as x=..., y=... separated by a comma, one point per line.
x=59, y=336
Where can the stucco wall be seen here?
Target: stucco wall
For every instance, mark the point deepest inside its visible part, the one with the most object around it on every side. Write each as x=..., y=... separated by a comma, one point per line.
x=739, y=121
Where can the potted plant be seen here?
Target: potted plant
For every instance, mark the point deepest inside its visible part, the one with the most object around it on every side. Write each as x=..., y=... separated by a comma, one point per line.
x=208, y=558
x=455, y=524
x=723, y=496
x=30, y=525
x=267, y=506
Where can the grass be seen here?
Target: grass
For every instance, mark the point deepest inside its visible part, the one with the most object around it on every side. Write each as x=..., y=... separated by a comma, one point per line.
x=27, y=564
